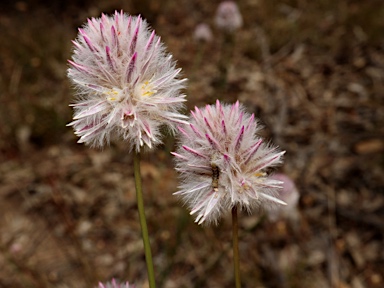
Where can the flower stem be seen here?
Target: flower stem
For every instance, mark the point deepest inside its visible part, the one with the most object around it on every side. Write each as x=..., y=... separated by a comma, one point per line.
x=235, y=235
x=143, y=222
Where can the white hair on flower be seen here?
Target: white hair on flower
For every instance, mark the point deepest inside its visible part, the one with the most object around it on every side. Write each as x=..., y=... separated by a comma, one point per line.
x=223, y=162
x=115, y=284
x=228, y=17
x=127, y=85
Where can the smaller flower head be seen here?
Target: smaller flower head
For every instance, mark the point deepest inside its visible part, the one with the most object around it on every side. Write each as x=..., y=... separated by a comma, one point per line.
x=203, y=33
x=228, y=17
x=224, y=163
x=127, y=85
x=290, y=195
x=115, y=284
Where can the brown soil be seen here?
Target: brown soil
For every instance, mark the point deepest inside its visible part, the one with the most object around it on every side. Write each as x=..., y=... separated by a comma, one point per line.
x=312, y=71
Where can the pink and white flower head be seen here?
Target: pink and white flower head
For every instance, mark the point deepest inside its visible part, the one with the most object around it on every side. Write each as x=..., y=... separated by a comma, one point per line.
x=203, y=33
x=224, y=163
x=115, y=284
x=290, y=195
x=127, y=85
x=228, y=17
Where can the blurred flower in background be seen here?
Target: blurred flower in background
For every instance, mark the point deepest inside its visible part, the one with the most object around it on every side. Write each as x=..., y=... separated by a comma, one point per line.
x=290, y=195
x=115, y=284
x=224, y=163
x=203, y=33
x=127, y=85
x=228, y=17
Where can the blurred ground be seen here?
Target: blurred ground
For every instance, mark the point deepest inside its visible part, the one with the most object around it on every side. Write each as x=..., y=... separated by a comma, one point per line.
x=312, y=71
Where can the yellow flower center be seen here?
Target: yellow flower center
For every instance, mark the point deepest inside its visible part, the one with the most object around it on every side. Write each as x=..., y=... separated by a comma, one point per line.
x=147, y=89
x=260, y=174
x=113, y=94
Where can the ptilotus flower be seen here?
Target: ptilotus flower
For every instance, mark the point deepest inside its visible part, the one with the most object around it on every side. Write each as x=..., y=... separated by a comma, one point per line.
x=228, y=17
x=203, y=33
x=224, y=163
x=115, y=284
x=290, y=195
x=127, y=84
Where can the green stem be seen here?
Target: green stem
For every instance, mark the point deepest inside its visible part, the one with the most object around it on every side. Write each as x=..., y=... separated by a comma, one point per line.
x=235, y=235
x=143, y=222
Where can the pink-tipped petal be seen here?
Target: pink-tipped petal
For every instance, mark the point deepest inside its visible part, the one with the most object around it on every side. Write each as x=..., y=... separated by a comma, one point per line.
x=109, y=58
x=131, y=67
x=251, y=152
x=132, y=45
x=239, y=138
x=194, y=152
x=213, y=142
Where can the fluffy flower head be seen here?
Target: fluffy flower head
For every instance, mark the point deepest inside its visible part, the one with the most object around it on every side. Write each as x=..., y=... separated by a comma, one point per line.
x=290, y=195
x=115, y=284
x=228, y=17
x=203, y=33
x=224, y=163
x=127, y=85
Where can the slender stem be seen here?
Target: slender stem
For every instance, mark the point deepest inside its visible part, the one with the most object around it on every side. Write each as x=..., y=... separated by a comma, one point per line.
x=143, y=222
x=226, y=53
x=235, y=235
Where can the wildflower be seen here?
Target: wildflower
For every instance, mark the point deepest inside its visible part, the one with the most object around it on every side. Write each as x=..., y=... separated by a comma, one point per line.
x=115, y=284
x=127, y=85
x=228, y=17
x=203, y=33
x=290, y=195
x=223, y=162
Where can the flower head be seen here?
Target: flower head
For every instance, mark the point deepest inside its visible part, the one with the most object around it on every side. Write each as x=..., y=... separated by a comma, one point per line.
x=228, y=17
x=115, y=284
x=127, y=85
x=223, y=162
x=203, y=33
x=290, y=195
